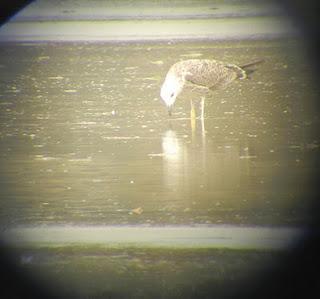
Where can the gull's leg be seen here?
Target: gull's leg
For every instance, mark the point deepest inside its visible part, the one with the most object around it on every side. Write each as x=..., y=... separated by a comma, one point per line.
x=192, y=118
x=193, y=111
x=203, y=130
x=202, y=107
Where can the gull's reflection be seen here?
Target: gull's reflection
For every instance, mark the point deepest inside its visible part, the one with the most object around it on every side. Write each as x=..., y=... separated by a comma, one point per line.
x=171, y=146
x=173, y=152
x=204, y=166
x=184, y=161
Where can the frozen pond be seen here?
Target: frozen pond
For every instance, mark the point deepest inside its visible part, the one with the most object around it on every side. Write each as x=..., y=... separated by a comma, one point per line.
x=85, y=138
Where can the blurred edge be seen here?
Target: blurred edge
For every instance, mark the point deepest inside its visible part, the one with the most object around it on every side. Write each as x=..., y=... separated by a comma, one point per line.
x=8, y=8
x=305, y=14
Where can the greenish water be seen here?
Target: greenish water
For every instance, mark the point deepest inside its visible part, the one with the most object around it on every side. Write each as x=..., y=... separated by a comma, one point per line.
x=85, y=138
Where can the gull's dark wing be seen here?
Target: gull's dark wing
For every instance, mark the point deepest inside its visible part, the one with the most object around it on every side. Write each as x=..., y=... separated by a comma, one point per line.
x=210, y=73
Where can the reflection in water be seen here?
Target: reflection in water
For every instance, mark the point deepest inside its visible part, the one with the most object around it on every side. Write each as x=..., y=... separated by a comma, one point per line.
x=173, y=161
x=87, y=150
x=170, y=146
x=218, y=170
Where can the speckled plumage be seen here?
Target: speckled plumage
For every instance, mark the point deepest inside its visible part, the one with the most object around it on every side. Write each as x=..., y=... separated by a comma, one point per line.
x=201, y=73
x=212, y=74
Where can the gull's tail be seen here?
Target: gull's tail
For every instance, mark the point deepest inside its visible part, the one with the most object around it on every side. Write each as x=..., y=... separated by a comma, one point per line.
x=250, y=68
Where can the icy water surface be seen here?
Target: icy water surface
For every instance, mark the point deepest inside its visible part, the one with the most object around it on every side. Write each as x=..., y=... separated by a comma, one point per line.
x=85, y=138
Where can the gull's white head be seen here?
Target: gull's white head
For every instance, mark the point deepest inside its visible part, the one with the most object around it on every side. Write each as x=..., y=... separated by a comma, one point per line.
x=171, y=88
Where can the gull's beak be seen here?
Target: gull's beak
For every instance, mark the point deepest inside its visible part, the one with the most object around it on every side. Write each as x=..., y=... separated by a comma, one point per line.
x=170, y=110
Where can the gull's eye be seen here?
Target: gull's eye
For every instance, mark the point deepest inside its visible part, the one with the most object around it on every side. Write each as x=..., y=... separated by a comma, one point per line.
x=172, y=95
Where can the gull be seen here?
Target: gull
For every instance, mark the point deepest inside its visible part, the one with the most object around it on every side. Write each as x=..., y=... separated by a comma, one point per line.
x=201, y=74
